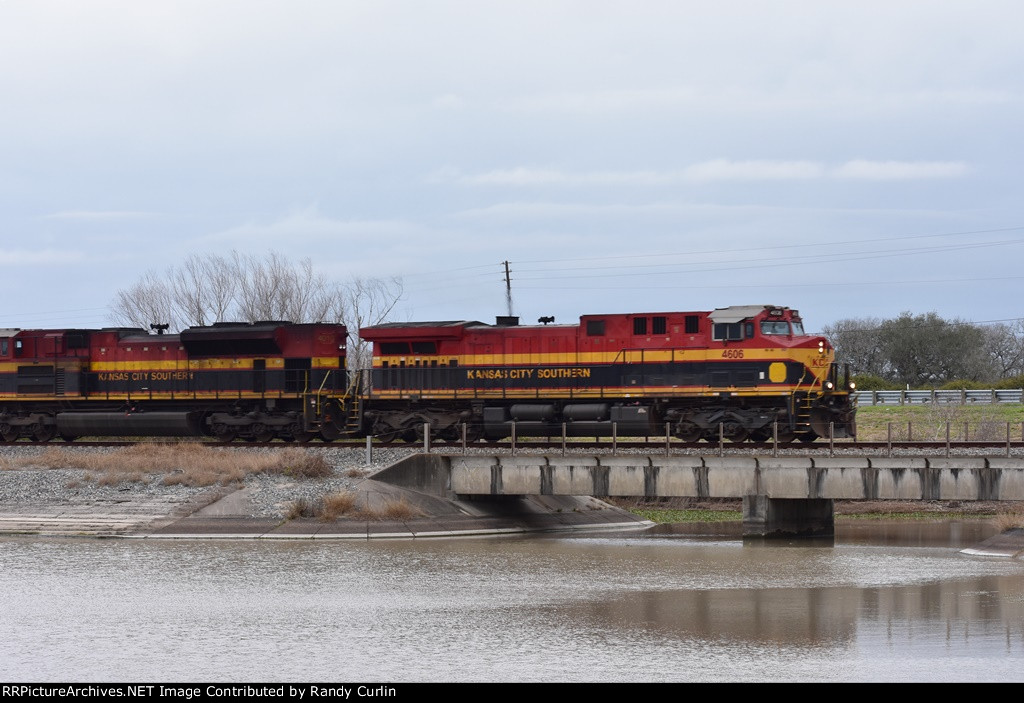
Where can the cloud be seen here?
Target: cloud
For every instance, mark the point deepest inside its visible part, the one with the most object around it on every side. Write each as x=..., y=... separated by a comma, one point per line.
x=39, y=257
x=900, y=170
x=448, y=101
x=300, y=225
x=544, y=177
x=98, y=215
x=726, y=170
x=714, y=170
x=351, y=246
x=545, y=210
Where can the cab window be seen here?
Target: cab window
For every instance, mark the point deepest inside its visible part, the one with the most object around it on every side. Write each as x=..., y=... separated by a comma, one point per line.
x=727, y=331
x=774, y=327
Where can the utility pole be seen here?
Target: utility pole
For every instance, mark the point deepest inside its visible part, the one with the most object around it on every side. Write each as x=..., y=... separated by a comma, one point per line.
x=508, y=289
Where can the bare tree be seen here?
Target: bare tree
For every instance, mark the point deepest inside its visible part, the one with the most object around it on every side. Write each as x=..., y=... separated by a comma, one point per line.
x=247, y=288
x=260, y=286
x=857, y=343
x=202, y=288
x=365, y=302
x=1005, y=344
x=148, y=301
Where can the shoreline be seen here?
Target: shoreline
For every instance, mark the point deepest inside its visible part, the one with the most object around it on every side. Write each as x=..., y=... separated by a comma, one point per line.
x=76, y=502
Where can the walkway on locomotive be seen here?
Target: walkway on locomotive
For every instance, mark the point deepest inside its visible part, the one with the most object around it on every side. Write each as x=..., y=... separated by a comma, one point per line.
x=754, y=350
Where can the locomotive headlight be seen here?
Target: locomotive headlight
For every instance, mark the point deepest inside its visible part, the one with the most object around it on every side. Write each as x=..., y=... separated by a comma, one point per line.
x=829, y=385
x=853, y=386
x=821, y=347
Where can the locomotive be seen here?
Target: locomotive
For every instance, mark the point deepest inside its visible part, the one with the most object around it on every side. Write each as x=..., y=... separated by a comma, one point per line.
x=740, y=372
x=256, y=381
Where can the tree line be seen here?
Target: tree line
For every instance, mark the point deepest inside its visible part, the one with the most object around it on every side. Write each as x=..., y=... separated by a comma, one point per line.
x=929, y=351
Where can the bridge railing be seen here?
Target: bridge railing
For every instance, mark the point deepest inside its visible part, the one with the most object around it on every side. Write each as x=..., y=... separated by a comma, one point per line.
x=960, y=397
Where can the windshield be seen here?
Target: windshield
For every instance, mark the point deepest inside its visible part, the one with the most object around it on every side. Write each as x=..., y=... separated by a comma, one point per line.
x=774, y=327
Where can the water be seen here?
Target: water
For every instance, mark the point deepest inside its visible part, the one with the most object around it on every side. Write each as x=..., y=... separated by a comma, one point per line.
x=896, y=603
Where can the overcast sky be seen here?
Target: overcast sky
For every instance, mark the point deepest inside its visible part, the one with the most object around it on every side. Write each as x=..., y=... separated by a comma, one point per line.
x=843, y=158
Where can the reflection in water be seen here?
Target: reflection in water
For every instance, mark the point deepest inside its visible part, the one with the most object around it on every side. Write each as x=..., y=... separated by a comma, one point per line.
x=653, y=607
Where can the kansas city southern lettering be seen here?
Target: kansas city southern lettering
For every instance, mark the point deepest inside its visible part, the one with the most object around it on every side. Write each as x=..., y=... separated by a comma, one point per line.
x=146, y=376
x=492, y=374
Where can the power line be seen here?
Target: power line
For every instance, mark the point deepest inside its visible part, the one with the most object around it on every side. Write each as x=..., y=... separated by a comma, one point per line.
x=787, y=284
x=782, y=261
x=781, y=246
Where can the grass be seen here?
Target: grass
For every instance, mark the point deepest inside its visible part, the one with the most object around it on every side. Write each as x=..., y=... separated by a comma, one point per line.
x=927, y=422
x=399, y=509
x=673, y=516
x=184, y=463
x=1012, y=520
x=673, y=510
x=334, y=506
x=916, y=515
x=690, y=510
x=1003, y=521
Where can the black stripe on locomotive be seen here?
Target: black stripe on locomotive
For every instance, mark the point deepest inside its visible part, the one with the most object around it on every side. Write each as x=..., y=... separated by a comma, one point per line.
x=709, y=374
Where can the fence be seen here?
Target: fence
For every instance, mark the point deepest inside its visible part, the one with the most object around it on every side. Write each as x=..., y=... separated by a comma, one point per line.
x=962, y=397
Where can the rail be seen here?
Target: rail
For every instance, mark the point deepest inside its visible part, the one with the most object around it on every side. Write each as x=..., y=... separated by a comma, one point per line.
x=961, y=397
x=989, y=437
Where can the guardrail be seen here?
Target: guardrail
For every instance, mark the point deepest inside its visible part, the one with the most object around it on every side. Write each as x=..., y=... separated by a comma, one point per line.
x=962, y=397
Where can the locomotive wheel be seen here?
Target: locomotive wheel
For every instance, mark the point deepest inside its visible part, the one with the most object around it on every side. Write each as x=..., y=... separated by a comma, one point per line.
x=687, y=432
x=8, y=433
x=226, y=437
x=68, y=437
x=411, y=431
x=474, y=433
x=807, y=437
x=44, y=433
x=303, y=436
x=329, y=432
x=387, y=437
x=760, y=436
x=264, y=436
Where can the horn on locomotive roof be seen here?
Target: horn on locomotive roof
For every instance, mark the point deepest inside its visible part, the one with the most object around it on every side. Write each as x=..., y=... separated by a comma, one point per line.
x=546, y=320
x=159, y=327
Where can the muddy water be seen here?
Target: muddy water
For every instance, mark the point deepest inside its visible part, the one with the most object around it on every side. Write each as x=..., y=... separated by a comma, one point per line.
x=894, y=602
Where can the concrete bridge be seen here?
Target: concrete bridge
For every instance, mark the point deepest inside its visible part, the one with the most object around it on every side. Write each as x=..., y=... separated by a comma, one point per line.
x=781, y=495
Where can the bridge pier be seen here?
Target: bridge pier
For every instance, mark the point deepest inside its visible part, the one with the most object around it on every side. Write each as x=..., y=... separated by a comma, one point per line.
x=788, y=517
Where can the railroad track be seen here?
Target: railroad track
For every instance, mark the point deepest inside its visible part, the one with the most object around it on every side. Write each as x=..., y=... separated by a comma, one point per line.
x=604, y=447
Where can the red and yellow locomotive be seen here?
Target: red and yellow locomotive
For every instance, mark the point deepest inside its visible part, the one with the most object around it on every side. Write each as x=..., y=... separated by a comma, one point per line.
x=255, y=381
x=740, y=371
x=743, y=372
